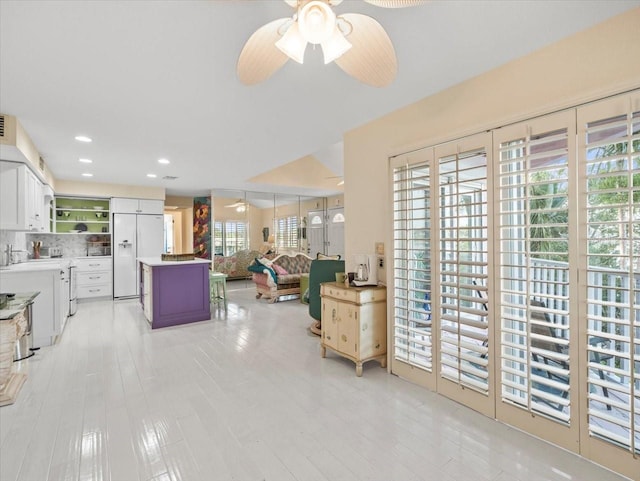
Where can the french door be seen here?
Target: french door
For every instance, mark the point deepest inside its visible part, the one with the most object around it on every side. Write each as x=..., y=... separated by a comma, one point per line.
x=537, y=333
x=442, y=270
x=609, y=155
x=516, y=276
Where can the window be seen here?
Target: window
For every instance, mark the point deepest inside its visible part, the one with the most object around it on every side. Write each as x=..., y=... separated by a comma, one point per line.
x=229, y=237
x=287, y=232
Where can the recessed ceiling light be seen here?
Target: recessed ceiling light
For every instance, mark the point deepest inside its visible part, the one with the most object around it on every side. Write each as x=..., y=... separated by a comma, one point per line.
x=85, y=161
x=153, y=176
x=163, y=161
x=83, y=138
x=87, y=174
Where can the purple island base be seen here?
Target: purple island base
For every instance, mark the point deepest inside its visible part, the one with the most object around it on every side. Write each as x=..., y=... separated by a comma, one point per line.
x=179, y=291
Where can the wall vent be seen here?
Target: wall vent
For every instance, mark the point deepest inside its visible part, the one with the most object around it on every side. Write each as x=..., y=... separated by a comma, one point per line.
x=41, y=164
x=169, y=177
x=1, y=126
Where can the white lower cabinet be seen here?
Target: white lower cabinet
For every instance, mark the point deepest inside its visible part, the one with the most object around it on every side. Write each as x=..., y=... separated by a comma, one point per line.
x=94, y=277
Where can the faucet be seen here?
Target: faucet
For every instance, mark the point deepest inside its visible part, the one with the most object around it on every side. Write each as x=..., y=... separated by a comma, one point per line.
x=7, y=255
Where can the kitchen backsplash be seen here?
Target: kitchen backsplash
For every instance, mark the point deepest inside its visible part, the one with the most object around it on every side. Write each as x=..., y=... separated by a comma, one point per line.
x=72, y=245
x=16, y=239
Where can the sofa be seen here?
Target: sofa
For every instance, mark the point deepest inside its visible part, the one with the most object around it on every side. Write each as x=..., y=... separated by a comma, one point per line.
x=279, y=276
x=235, y=266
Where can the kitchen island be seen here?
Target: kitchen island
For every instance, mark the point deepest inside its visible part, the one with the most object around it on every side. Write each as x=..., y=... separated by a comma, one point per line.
x=174, y=292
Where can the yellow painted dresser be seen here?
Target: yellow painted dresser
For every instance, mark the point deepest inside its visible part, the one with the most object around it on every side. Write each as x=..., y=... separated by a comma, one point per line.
x=354, y=322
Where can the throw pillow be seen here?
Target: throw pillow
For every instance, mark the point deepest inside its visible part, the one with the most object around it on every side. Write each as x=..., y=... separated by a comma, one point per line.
x=323, y=257
x=264, y=261
x=281, y=271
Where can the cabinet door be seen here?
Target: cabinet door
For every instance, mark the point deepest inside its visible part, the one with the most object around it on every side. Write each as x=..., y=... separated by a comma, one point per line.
x=330, y=322
x=13, y=196
x=121, y=205
x=147, y=206
x=35, y=202
x=348, y=322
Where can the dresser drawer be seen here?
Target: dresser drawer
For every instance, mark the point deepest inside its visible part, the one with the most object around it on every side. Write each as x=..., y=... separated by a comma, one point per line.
x=98, y=264
x=357, y=295
x=93, y=278
x=99, y=290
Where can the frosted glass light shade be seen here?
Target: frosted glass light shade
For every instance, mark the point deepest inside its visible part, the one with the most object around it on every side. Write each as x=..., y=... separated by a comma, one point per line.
x=293, y=44
x=317, y=22
x=335, y=46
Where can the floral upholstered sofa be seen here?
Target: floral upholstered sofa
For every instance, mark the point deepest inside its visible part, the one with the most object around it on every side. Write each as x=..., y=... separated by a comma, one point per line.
x=235, y=266
x=280, y=276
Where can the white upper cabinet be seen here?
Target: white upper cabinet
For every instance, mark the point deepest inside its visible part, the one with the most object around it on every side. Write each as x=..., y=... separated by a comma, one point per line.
x=21, y=199
x=122, y=205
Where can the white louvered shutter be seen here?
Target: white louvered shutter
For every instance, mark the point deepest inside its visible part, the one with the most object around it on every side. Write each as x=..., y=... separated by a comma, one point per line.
x=412, y=339
x=534, y=269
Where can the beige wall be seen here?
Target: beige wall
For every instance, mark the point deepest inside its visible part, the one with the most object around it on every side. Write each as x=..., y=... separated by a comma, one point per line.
x=95, y=189
x=589, y=65
x=16, y=145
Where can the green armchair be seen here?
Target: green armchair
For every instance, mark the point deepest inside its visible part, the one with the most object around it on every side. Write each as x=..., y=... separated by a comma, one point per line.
x=320, y=271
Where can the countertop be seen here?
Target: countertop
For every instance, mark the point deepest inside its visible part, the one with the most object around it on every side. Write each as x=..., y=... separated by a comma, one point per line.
x=157, y=261
x=17, y=304
x=46, y=264
x=40, y=265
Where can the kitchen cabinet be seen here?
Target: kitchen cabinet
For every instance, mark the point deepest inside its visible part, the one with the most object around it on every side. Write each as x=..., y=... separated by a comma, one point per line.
x=89, y=215
x=122, y=205
x=48, y=279
x=354, y=322
x=21, y=198
x=94, y=277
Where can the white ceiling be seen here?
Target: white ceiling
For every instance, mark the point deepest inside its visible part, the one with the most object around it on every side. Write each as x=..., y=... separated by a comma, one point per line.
x=151, y=79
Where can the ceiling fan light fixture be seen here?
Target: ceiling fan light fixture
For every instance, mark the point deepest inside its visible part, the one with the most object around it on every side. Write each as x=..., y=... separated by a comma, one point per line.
x=316, y=21
x=335, y=46
x=292, y=43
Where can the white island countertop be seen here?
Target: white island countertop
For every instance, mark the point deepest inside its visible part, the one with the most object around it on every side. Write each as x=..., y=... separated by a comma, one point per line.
x=157, y=261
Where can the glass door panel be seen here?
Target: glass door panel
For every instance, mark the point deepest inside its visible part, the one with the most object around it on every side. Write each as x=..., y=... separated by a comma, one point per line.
x=413, y=334
x=463, y=290
x=609, y=151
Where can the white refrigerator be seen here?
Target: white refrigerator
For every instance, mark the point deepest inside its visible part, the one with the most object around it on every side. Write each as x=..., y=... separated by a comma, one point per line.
x=134, y=235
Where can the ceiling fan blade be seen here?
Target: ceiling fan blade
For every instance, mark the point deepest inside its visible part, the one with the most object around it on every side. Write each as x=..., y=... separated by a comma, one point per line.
x=371, y=59
x=396, y=3
x=260, y=57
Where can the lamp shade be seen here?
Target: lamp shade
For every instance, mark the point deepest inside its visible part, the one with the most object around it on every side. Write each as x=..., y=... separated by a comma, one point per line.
x=317, y=21
x=292, y=43
x=335, y=46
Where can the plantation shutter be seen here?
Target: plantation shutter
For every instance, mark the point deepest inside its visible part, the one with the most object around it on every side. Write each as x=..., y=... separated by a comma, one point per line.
x=463, y=267
x=412, y=339
x=610, y=165
x=534, y=270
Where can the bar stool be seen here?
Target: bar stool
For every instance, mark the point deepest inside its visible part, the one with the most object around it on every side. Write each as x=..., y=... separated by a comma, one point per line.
x=218, y=288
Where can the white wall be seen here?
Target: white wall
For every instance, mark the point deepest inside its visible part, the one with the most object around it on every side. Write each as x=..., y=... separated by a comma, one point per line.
x=591, y=64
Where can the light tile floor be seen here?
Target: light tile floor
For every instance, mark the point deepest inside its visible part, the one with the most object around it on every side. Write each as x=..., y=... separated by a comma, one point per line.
x=245, y=396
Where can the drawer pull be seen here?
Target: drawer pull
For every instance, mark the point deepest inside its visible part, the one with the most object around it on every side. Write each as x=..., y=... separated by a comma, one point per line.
x=94, y=290
x=94, y=265
x=97, y=277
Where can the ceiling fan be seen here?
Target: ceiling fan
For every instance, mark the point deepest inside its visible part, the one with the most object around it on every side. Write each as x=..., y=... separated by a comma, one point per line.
x=357, y=43
x=238, y=203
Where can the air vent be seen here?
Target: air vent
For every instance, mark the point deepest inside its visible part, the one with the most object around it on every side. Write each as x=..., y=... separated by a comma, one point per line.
x=41, y=164
x=1, y=126
x=169, y=177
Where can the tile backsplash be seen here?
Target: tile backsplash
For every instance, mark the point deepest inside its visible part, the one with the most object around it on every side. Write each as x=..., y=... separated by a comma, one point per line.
x=72, y=245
